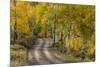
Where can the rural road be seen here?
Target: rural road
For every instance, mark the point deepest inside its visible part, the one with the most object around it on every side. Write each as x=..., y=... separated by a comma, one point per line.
x=41, y=53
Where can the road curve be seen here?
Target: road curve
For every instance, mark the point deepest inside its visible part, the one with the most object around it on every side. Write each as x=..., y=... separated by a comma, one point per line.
x=42, y=55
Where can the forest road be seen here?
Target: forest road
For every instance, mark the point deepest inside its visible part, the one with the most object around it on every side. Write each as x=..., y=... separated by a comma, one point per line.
x=43, y=54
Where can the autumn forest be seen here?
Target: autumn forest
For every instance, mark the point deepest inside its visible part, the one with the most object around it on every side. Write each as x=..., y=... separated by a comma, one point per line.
x=51, y=33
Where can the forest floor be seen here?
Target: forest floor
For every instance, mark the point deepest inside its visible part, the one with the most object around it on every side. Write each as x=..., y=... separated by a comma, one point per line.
x=42, y=53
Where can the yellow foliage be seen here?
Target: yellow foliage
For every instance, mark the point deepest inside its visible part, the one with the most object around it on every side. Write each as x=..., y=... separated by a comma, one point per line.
x=75, y=43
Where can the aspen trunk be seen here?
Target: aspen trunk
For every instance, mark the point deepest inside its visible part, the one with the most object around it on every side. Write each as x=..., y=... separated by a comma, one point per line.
x=83, y=49
x=15, y=25
x=69, y=36
x=54, y=31
x=51, y=33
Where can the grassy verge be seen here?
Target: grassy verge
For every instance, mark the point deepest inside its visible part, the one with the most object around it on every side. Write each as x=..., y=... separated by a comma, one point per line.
x=18, y=55
x=69, y=57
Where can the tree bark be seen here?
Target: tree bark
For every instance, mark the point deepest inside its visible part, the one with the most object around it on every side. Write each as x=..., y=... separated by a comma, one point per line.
x=69, y=36
x=60, y=32
x=62, y=41
x=45, y=30
x=51, y=32
x=31, y=27
x=15, y=25
x=83, y=48
x=54, y=30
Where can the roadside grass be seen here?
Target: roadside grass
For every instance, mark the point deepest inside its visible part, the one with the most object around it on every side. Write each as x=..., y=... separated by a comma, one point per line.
x=18, y=55
x=69, y=56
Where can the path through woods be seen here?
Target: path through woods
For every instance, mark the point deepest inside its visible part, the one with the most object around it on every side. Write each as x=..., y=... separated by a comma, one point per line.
x=41, y=53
